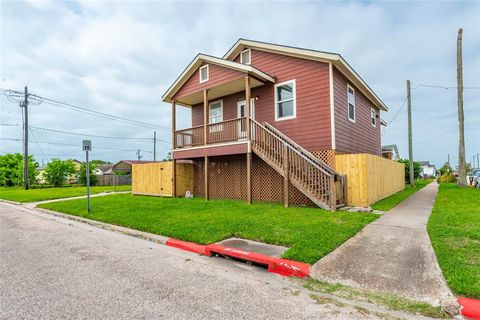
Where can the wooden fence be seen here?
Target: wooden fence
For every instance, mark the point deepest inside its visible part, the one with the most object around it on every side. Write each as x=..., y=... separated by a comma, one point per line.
x=369, y=178
x=112, y=180
x=155, y=178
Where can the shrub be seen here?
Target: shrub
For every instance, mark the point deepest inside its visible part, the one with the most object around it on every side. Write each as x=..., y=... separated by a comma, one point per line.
x=447, y=177
x=417, y=169
x=57, y=171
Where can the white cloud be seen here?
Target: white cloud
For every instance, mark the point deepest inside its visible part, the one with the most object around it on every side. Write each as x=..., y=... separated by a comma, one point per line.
x=120, y=57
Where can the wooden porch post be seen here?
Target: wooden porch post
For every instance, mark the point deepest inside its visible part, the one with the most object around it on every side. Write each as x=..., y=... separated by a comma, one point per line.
x=207, y=196
x=247, y=105
x=285, y=176
x=205, y=116
x=174, y=162
x=249, y=151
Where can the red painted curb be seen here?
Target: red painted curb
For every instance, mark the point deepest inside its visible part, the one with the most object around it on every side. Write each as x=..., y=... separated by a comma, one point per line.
x=284, y=267
x=188, y=246
x=471, y=307
x=275, y=265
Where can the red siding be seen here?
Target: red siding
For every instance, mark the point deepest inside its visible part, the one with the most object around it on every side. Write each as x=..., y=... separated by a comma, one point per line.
x=358, y=137
x=311, y=127
x=217, y=75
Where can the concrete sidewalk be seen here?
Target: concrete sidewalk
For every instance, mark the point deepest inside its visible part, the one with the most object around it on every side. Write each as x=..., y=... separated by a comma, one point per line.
x=392, y=254
x=32, y=205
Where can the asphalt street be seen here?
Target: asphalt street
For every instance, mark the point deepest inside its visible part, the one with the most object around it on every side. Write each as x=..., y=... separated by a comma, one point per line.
x=54, y=268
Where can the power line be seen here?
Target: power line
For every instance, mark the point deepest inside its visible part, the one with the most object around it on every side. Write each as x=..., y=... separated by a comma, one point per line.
x=442, y=87
x=65, y=105
x=36, y=142
x=75, y=145
x=89, y=135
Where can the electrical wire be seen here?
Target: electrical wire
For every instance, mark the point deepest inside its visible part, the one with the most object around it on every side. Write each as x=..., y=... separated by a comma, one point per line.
x=75, y=145
x=69, y=106
x=35, y=139
x=89, y=135
x=442, y=87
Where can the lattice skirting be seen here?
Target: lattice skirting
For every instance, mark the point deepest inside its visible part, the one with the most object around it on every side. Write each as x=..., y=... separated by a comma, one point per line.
x=228, y=180
x=327, y=156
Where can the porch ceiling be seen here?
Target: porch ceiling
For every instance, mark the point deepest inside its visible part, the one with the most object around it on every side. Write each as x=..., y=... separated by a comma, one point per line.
x=219, y=91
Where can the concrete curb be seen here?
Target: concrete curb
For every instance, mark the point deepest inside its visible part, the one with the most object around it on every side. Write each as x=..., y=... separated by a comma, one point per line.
x=11, y=202
x=111, y=227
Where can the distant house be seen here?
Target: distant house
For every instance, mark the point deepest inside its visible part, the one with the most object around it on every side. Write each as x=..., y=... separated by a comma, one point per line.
x=104, y=169
x=125, y=166
x=390, y=152
x=428, y=170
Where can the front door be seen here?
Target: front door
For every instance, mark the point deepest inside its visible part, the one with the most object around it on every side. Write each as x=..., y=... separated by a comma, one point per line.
x=241, y=112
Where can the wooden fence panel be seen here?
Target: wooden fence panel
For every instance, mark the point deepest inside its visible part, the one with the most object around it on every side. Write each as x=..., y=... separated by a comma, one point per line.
x=369, y=178
x=155, y=178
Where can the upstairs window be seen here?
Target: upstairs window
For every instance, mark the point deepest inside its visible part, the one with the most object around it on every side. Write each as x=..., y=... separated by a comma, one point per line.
x=374, y=117
x=245, y=56
x=351, y=103
x=285, y=103
x=215, y=115
x=203, y=73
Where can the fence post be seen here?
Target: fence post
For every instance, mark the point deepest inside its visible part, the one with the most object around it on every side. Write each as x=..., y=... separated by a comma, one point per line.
x=333, y=194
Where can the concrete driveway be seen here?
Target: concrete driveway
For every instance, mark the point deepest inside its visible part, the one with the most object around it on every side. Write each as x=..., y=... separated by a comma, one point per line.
x=54, y=268
x=392, y=254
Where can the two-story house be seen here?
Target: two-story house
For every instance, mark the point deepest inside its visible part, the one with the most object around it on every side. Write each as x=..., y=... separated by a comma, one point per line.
x=267, y=121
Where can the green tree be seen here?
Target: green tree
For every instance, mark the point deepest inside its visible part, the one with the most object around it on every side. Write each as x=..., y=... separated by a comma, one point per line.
x=445, y=169
x=417, y=169
x=11, y=169
x=82, y=173
x=57, y=171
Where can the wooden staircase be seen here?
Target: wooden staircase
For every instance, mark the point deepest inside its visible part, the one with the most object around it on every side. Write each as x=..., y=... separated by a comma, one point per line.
x=311, y=176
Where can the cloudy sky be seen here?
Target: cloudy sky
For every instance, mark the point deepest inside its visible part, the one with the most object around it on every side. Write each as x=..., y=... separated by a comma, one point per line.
x=120, y=57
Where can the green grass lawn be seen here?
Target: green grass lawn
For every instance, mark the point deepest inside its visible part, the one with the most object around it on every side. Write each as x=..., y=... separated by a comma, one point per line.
x=390, y=202
x=38, y=194
x=454, y=228
x=310, y=233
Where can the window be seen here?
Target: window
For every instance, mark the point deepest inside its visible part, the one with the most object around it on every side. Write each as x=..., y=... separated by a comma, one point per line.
x=374, y=117
x=204, y=73
x=285, y=100
x=245, y=56
x=351, y=103
x=215, y=115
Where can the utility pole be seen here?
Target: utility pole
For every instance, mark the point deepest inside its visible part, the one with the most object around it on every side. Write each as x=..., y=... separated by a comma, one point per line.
x=25, y=142
x=154, y=146
x=462, y=170
x=138, y=154
x=448, y=161
x=410, y=148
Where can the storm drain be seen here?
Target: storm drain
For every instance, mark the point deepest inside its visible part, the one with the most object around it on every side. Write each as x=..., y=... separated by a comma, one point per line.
x=245, y=251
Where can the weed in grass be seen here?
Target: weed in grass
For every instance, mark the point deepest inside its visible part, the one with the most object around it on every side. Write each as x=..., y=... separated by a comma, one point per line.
x=325, y=300
x=390, y=301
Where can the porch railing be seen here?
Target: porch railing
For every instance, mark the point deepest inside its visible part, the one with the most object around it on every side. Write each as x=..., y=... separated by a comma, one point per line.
x=190, y=137
x=225, y=131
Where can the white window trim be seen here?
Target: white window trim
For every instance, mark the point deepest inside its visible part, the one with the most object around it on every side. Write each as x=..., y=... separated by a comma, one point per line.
x=373, y=115
x=354, y=105
x=200, y=73
x=293, y=81
x=249, y=56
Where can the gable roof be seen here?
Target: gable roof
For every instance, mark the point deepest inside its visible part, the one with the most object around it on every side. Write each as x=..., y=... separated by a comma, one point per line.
x=329, y=57
x=199, y=60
